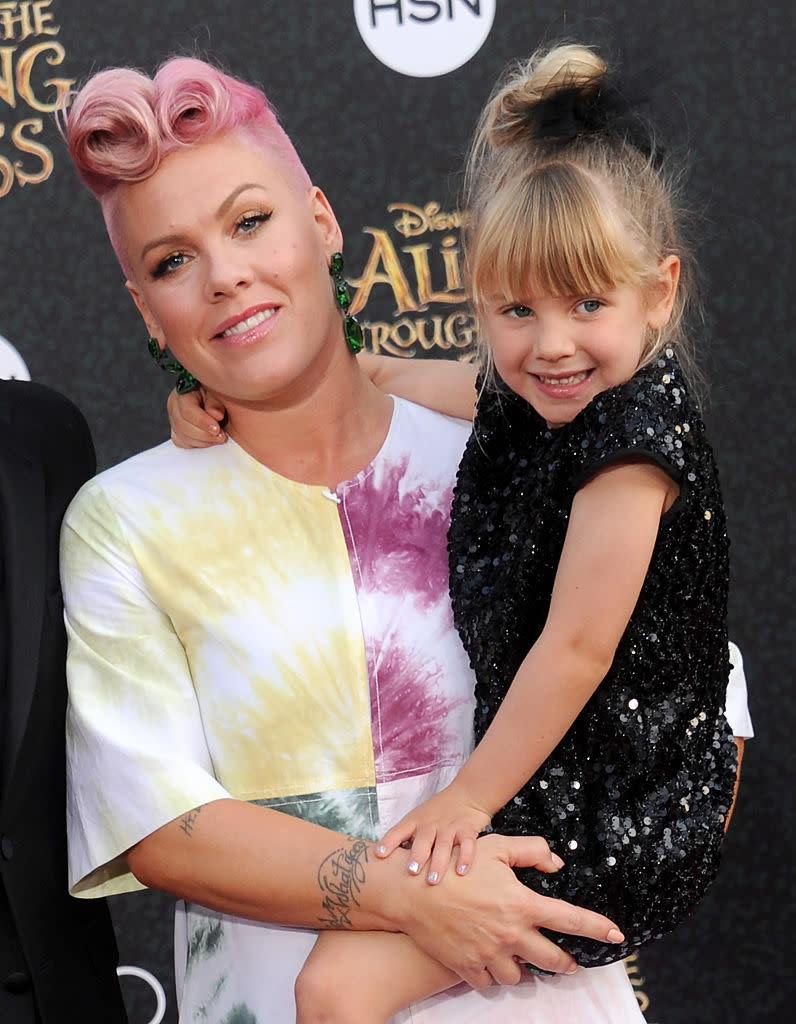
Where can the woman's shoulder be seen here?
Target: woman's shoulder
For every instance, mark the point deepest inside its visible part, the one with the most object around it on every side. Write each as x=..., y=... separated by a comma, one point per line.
x=417, y=428
x=157, y=477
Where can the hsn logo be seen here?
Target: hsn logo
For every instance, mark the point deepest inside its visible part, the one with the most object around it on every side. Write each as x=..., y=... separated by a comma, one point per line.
x=424, y=38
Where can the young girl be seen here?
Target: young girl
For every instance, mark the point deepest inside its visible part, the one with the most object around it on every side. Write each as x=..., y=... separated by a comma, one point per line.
x=588, y=548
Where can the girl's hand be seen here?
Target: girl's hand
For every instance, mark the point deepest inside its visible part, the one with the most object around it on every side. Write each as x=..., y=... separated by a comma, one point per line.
x=195, y=419
x=446, y=821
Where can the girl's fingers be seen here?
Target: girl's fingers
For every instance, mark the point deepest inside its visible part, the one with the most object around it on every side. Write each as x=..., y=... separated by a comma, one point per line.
x=192, y=426
x=466, y=855
x=186, y=408
x=422, y=846
x=440, y=858
x=395, y=837
x=189, y=435
x=214, y=407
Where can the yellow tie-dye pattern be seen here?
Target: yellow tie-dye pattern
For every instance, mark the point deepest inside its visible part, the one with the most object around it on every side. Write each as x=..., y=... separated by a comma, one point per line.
x=214, y=634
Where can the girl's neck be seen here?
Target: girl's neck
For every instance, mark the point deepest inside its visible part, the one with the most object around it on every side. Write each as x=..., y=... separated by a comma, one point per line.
x=323, y=437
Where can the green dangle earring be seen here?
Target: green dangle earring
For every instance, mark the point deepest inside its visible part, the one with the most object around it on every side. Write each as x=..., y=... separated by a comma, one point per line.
x=352, y=329
x=186, y=382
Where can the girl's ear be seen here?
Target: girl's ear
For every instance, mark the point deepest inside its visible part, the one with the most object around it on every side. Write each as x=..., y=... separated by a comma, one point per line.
x=152, y=325
x=663, y=292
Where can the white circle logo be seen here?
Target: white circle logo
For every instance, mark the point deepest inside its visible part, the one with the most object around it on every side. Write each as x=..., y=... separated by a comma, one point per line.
x=424, y=38
x=12, y=365
x=154, y=984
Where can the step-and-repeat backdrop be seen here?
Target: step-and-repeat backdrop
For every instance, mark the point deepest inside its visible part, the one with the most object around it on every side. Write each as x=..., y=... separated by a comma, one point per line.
x=380, y=98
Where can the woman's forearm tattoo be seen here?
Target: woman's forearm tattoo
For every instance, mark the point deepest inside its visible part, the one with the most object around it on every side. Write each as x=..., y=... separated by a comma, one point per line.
x=340, y=878
x=187, y=821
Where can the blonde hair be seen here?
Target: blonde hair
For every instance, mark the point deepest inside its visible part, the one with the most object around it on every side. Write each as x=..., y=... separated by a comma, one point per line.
x=574, y=212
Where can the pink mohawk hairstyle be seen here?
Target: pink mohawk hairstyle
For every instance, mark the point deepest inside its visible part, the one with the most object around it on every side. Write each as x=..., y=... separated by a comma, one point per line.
x=122, y=124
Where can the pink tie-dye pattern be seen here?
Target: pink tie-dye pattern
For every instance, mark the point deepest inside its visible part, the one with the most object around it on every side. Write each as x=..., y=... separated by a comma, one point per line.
x=396, y=536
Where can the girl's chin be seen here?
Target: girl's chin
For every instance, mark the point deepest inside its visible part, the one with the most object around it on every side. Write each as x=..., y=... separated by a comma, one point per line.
x=558, y=415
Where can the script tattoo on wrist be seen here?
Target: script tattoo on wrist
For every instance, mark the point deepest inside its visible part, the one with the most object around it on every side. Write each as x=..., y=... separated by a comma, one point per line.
x=341, y=877
x=187, y=821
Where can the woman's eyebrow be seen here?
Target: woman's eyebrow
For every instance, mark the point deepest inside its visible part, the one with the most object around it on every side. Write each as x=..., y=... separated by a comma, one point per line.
x=224, y=207
x=174, y=239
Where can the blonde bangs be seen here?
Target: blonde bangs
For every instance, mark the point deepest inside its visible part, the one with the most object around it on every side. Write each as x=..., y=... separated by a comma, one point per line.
x=553, y=231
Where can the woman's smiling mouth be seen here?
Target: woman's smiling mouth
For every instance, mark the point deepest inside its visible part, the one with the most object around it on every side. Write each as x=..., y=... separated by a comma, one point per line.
x=244, y=329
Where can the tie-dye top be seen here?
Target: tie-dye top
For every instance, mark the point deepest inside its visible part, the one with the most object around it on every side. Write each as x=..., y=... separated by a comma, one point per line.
x=235, y=633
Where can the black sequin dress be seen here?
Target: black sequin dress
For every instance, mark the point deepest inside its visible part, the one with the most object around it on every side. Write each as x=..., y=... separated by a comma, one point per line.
x=634, y=797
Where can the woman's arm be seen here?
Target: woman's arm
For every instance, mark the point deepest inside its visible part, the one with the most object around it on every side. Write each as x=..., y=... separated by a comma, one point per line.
x=255, y=862
x=612, y=531
x=444, y=385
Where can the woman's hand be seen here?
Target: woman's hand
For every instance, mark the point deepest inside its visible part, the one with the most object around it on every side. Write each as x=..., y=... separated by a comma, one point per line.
x=481, y=925
x=435, y=828
x=195, y=419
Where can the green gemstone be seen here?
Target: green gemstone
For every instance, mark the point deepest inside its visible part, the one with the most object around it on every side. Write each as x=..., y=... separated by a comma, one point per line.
x=342, y=295
x=354, y=334
x=336, y=264
x=186, y=382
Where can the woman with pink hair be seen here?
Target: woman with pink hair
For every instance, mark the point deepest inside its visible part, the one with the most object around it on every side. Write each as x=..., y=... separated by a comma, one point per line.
x=264, y=673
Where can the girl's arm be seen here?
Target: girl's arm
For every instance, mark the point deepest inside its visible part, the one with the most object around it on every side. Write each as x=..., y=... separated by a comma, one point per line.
x=612, y=531
x=443, y=385
x=195, y=419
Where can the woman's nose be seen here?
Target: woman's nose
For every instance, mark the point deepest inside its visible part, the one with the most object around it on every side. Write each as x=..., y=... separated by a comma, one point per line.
x=227, y=272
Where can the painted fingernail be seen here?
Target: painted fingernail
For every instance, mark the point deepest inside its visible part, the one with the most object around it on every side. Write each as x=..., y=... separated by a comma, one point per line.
x=413, y=867
x=433, y=878
x=615, y=935
x=461, y=869
x=557, y=860
x=381, y=850
x=214, y=428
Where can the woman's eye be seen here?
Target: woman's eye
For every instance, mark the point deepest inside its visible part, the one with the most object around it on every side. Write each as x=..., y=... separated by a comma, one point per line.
x=590, y=306
x=251, y=221
x=168, y=265
x=519, y=311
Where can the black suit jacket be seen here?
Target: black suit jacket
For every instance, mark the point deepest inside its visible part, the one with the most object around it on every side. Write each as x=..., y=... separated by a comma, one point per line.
x=60, y=949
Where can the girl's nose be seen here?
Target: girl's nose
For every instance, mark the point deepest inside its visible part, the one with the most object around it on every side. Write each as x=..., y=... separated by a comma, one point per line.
x=553, y=342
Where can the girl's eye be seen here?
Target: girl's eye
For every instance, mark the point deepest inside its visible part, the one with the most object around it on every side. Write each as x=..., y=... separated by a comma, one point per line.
x=168, y=265
x=590, y=306
x=519, y=311
x=249, y=223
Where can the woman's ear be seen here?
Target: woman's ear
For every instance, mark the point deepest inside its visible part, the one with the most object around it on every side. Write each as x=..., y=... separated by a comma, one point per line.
x=663, y=293
x=327, y=222
x=152, y=325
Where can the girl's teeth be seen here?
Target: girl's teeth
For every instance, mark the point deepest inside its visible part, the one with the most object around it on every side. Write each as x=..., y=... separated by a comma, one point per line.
x=576, y=378
x=246, y=325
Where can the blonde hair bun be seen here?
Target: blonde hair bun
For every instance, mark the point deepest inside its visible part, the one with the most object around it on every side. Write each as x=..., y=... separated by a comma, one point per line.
x=570, y=68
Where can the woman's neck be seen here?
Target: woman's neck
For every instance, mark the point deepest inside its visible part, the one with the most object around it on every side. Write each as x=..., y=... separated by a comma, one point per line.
x=322, y=437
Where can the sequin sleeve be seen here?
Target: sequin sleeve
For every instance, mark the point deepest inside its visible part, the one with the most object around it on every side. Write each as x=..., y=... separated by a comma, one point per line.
x=651, y=416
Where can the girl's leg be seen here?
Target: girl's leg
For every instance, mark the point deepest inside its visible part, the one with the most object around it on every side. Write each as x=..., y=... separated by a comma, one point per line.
x=364, y=978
